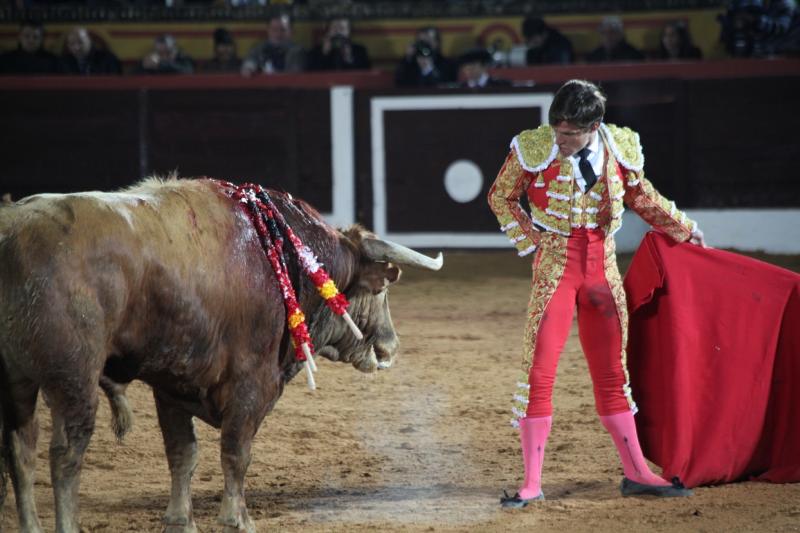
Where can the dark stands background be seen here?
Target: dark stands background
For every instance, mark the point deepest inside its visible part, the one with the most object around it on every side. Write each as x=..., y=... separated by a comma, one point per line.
x=717, y=133
x=722, y=141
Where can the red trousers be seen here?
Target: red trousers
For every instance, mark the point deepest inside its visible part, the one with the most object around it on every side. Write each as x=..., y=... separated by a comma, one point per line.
x=583, y=284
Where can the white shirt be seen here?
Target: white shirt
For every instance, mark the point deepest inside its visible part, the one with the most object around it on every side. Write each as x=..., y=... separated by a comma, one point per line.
x=596, y=158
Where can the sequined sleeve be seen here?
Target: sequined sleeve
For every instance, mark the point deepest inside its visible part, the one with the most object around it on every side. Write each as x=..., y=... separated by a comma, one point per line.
x=642, y=197
x=510, y=184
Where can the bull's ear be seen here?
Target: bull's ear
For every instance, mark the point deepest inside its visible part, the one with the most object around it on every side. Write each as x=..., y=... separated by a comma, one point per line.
x=392, y=273
x=377, y=276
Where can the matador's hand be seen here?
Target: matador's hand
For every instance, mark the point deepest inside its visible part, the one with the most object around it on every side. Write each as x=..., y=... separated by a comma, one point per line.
x=697, y=238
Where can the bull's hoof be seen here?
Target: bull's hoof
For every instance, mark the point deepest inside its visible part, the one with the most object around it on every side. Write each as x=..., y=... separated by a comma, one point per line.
x=179, y=525
x=244, y=525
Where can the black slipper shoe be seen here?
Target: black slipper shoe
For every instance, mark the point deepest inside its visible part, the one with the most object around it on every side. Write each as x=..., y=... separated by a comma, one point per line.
x=632, y=488
x=515, y=502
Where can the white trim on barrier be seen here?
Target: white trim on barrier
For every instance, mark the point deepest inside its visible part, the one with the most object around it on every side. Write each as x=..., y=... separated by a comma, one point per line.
x=343, y=190
x=768, y=230
x=379, y=105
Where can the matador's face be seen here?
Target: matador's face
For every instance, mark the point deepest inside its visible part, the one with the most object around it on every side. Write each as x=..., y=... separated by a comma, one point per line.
x=571, y=138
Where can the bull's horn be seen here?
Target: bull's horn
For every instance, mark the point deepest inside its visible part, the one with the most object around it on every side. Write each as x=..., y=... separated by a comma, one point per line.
x=380, y=250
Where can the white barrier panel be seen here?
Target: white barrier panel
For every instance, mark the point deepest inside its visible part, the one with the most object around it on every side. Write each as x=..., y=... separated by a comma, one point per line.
x=775, y=231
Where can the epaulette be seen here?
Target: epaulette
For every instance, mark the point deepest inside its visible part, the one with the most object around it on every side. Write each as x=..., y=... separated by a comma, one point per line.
x=625, y=144
x=535, y=149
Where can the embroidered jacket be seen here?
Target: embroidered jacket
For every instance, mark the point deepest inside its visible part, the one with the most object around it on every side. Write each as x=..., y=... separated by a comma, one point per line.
x=535, y=166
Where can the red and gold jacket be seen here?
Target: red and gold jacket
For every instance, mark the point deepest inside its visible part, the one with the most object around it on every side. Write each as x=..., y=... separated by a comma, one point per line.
x=535, y=166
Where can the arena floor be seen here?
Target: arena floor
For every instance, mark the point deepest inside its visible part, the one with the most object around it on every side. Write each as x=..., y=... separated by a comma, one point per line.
x=424, y=446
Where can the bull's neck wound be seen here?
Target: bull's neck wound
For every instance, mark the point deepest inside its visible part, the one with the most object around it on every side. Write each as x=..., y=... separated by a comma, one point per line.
x=273, y=230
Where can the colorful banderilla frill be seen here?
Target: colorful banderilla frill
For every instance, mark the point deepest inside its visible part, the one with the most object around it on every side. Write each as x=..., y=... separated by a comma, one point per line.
x=271, y=228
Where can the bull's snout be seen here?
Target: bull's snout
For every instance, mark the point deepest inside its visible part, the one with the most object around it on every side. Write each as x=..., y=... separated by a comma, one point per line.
x=380, y=356
x=385, y=353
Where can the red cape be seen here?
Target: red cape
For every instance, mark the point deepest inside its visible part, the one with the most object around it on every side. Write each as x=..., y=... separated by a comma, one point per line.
x=714, y=357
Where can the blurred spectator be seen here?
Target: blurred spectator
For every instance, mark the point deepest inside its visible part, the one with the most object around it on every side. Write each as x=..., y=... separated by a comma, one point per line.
x=613, y=45
x=278, y=53
x=83, y=57
x=30, y=57
x=760, y=28
x=424, y=65
x=545, y=44
x=166, y=58
x=676, y=43
x=337, y=51
x=474, y=67
x=224, y=58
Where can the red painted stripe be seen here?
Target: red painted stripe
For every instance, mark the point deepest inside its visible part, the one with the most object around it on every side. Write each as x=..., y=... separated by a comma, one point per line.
x=14, y=34
x=592, y=25
x=499, y=28
x=364, y=80
x=729, y=68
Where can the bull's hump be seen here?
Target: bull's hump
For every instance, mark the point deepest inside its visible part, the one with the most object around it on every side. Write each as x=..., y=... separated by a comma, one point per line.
x=92, y=207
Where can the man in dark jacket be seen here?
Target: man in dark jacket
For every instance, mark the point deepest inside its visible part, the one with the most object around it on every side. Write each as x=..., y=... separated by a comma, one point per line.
x=613, y=45
x=82, y=57
x=546, y=45
x=279, y=53
x=475, y=65
x=166, y=58
x=337, y=51
x=29, y=57
x=424, y=65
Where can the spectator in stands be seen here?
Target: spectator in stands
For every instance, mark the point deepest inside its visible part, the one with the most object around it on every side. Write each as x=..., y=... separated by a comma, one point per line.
x=278, y=53
x=545, y=44
x=676, y=43
x=475, y=70
x=337, y=51
x=613, y=45
x=760, y=28
x=83, y=57
x=224, y=58
x=30, y=57
x=424, y=65
x=166, y=58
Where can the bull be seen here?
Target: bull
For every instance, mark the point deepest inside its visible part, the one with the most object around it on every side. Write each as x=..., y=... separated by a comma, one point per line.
x=166, y=282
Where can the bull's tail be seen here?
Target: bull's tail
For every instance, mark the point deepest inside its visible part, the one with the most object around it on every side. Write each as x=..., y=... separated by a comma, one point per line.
x=121, y=414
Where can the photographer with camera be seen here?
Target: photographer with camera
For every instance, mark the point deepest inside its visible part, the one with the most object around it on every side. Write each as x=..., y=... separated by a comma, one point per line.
x=424, y=65
x=166, y=58
x=337, y=51
x=759, y=28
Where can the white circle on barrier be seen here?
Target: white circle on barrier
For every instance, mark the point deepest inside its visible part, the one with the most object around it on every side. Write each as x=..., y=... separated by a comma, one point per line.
x=463, y=180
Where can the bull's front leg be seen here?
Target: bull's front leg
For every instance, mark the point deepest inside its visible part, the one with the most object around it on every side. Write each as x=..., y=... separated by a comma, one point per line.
x=238, y=430
x=180, y=443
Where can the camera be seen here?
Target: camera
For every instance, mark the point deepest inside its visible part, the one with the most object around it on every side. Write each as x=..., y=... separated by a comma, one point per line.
x=422, y=49
x=339, y=41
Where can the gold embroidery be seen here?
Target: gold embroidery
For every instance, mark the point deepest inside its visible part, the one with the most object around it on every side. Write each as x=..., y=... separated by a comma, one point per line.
x=618, y=292
x=510, y=184
x=626, y=142
x=536, y=146
x=655, y=209
x=551, y=259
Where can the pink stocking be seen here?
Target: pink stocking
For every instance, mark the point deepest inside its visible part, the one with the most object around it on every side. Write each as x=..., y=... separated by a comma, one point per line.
x=533, y=433
x=623, y=431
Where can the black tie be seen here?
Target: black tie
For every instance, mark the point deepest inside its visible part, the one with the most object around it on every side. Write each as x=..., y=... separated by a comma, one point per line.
x=586, y=168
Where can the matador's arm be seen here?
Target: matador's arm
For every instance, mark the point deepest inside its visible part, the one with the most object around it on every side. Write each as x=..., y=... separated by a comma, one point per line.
x=510, y=184
x=656, y=210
